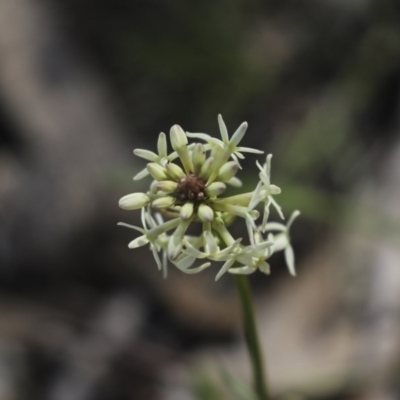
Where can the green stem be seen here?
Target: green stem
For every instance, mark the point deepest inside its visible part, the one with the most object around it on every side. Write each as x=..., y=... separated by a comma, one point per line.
x=253, y=343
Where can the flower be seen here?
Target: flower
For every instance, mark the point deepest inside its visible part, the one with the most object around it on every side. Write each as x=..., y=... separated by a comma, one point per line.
x=187, y=187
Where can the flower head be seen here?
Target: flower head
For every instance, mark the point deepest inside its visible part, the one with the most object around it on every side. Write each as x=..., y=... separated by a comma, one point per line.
x=186, y=188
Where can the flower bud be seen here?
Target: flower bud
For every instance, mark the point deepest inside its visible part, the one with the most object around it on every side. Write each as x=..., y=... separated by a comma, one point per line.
x=207, y=168
x=198, y=157
x=174, y=171
x=163, y=202
x=167, y=186
x=205, y=213
x=228, y=171
x=162, y=145
x=215, y=189
x=187, y=210
x=179, y=144
x=158, y=172
x=134, y=201
x=178, y=138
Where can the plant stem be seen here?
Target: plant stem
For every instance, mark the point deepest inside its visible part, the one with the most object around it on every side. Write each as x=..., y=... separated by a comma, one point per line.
x=250, y=330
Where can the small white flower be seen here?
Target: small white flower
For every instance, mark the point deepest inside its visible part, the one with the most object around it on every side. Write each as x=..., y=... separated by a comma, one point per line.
x=187, y=187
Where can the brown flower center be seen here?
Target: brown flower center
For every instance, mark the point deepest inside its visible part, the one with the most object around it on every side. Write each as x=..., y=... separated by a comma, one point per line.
x=191, y=187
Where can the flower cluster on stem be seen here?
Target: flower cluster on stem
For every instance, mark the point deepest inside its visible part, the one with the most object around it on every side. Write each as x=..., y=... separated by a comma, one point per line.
x=187, y=187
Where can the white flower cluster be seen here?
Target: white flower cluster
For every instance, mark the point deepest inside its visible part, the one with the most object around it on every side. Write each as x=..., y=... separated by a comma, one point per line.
x=189, y=193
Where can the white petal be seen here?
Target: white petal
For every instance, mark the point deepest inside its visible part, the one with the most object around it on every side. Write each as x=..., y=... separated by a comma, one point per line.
x=136, y=228
x=156, y=257
x=192, y=251
x=249, y=150
x=265, y=268
x=275, y=226
x=211, y=243
x=222, y=129
x=239, y=133
x=277, y=208
x=146, y=154
x=140, y=175
x=242, y=270
x=138, y=242
x=225, y=268
x=197, y=269
x=289, y=257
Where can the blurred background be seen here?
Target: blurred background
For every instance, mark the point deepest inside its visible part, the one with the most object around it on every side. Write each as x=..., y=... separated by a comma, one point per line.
x=83, y=82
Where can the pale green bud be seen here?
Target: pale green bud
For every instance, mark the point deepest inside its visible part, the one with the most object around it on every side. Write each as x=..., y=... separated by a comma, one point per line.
x=215, y=189
x=178, y=138
x=179, y=143
x=205, y=213
x=228, y=171
x=207, y=168
x=167, y=186
x=163, y=202
x=198, y=157
x=174, y=171
x=134, y=201
x=187, y=210
x=162, y=145
x=158, y=172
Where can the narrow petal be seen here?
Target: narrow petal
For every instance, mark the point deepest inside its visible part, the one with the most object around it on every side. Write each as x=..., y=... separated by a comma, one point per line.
x=192, y=251
x=140, y=175
x=239, y=133
x=156, y=257
x=146, y=154
x=222, y=129
x=138, y=242
x=136, y=228
x=275, y=226
x=175, y=243
x=242, y=270
x=265, y=268
x=289, y=257
x=278, y=208
x=249, y=150
x=225, y=268
x=211, y=243
x=197, y=269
